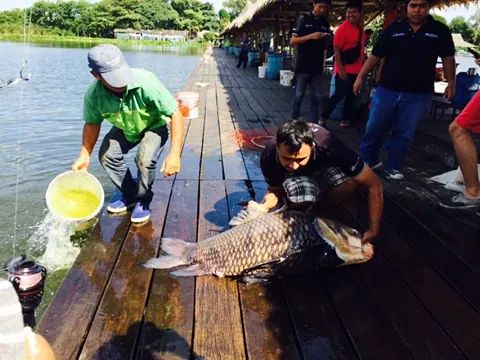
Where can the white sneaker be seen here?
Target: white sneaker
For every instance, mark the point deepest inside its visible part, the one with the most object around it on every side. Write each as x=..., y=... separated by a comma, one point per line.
x=394, y=174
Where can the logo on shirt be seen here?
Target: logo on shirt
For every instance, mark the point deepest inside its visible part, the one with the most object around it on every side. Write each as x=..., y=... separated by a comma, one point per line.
x=308, y=25
x=398, y=34
x=430, y=35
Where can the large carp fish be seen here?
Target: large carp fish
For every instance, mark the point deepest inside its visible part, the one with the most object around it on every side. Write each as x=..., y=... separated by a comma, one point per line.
x=275, y=244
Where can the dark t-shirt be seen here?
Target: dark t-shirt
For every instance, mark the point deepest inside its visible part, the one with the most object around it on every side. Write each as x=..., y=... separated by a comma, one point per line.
x=310, y=53
x=328, y=152
x=410, y=57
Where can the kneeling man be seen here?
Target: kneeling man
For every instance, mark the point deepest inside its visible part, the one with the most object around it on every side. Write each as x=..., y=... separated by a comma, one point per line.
x=308, y=154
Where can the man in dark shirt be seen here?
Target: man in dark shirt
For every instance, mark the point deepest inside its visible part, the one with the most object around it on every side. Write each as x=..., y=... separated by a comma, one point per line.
x=312, y=36
x=309, y=151
x=410, y=49
x=244, y=49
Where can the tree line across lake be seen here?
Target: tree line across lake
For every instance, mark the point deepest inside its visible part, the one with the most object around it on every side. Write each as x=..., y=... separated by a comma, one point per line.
x=81, y=18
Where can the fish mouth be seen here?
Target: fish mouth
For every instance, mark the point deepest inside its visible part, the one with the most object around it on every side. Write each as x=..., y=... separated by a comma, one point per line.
x=346, y=241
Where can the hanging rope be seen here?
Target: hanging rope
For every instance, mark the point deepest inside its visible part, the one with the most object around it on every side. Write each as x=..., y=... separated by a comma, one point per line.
x=26, y=48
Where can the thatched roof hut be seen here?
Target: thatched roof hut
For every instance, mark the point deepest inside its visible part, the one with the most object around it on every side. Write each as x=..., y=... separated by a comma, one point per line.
x=277, y=14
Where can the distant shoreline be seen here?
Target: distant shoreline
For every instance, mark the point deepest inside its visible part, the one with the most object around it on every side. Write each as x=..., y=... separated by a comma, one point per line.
x=81, y=41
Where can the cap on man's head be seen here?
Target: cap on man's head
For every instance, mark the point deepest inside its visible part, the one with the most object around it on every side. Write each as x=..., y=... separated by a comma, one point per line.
x=108, y=61
x=328, y=2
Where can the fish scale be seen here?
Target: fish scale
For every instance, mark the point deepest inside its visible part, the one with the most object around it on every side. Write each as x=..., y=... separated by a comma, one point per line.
x=264, y=239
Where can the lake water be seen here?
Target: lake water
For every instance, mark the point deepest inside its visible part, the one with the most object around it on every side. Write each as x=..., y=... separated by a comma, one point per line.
x=41, y=128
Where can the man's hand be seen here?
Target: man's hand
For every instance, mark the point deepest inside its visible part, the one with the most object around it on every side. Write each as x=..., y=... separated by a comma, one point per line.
x=368, y=236
x=171, y=165
x=82, y=162
x=357, y=86
x=449, y=91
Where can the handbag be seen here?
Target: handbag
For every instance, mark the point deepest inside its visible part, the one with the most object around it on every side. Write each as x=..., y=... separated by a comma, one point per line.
x=351, y=55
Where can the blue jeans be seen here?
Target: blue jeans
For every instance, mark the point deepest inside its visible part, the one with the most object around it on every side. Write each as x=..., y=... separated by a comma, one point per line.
x=396, y=111
x=112, y=158
x=343, y=90
x=315, y=84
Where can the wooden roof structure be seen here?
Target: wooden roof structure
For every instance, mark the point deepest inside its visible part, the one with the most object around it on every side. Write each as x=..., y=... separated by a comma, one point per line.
x=276, y=14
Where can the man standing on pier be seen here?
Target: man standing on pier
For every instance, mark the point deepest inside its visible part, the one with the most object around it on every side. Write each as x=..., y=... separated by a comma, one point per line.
x=139, y=107
x=312, y=37
x=349, y=46
x=410, y=49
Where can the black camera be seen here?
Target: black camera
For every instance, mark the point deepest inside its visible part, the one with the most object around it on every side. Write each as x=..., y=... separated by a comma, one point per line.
x=28, y=279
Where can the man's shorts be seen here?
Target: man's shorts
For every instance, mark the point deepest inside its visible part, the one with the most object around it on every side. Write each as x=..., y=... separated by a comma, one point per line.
x=307, y=190
x=469, y=118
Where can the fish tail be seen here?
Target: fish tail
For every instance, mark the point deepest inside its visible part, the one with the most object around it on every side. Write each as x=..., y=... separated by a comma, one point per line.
x=177, y=252
x=176, y=247
x=164, y=262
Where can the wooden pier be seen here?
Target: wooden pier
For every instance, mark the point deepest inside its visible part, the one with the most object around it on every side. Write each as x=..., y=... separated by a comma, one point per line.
x=418, y=298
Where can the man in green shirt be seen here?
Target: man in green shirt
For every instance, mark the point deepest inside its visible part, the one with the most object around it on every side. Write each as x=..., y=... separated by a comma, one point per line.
x=139, y=107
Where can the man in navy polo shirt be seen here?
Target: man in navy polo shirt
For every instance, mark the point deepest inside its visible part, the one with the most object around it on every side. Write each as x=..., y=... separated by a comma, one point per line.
x=312, y=36
x=410, y=49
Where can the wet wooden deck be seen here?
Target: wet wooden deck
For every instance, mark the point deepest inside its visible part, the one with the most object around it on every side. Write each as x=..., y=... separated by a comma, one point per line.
x=419, y=297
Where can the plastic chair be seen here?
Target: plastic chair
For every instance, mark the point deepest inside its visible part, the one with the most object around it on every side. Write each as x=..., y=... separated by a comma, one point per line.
x=465, y=89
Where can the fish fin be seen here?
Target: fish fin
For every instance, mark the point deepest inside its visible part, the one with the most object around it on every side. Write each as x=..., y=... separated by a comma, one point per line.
x=193, y=270
x=175, y=247
x=164, y=262
x=264, y=270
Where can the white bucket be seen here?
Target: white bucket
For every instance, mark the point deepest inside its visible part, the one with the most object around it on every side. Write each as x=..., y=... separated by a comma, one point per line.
x=189, y=101
x=286, y=77
x=262, y=72
x=75, y=195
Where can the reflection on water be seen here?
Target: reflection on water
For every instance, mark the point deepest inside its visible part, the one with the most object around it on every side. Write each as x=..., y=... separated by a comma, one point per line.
x=40, y=131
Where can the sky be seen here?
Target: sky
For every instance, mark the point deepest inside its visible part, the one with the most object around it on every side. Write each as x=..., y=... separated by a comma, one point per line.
x=448, y=13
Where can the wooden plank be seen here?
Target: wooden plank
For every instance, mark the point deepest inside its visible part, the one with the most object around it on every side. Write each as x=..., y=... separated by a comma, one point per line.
x=362, y=315
x=245, y=131
x=116, y=325
x=268, y=330
x=66, y=321
x=218, y=324
x=420, y=331
x=191, y=152
x=211, y=165
x=168, y=324
x=233, y=164
x=319, y=331
x=460, y=322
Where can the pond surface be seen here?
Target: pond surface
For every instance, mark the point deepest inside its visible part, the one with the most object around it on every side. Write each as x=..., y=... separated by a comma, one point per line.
x=41, y=127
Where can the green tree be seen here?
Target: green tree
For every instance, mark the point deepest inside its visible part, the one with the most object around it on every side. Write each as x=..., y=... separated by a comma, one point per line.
x=475, y=21
x=224, y=18
x=11, y=21
x=460, y=25
x=194, y=15
x=235, y=7
x=440, y=18
x=158, y=14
